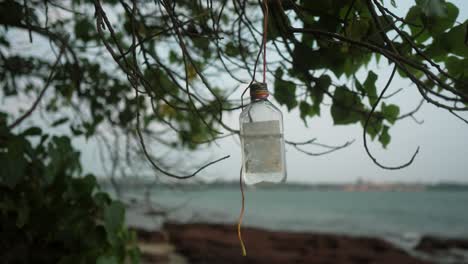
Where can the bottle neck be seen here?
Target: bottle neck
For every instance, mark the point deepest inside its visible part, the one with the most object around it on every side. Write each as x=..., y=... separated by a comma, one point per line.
x=259, y=95
x=256, y=100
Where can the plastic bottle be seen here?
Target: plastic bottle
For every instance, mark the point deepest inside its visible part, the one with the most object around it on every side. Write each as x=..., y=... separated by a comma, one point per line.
x=262, y=139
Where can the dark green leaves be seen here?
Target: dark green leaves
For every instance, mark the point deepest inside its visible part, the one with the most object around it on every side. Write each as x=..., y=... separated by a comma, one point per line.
x=384, y=137
x=457, y=67
x=84, y=30
x=107, y=260
x=358, y=28
x=369, y=87
x=62, y=158
x=113, y=221
x=40, y=211
x=32, y=131
x=306, y=110
x=432, y=8
x=431, y=18
x=285, y=91
x=390, y=112
x=13, y=161
x=347, y=107
x=60, y=121
x=451, y=42
x=231, y=50
x=317, y=90
x=322, y=85
x=374, y=125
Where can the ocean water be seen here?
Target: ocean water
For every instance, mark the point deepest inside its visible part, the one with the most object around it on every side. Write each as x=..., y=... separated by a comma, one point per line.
x=401, y=217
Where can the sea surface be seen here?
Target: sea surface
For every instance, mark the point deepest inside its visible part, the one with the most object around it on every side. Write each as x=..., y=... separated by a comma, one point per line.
x=400, y=217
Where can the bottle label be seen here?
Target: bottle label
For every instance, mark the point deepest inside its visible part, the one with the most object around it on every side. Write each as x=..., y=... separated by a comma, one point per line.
x=263, y=147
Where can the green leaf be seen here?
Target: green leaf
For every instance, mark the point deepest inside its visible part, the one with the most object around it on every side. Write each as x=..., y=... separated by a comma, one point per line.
x=113, y=221
x=454, y=40
x=369, y=87
x=418, y=29
x=62, y=158
x=306, y=110
x=275, y=26
x=457, y=67
x=285, y=91
x=85, y=185
x=13, y=161
x=390, y=112
x=59, y=121
x=359, y=87
x=437, y=25
x=107, y=260
x=101, y=199
x=32, y=131
x=203, y=45
x=231, y=50
x=358, y=28
x=322, y=84
x=374, y=126
x=430, y=24
x=384, y=137
x=23, y=214
x=346, y=107
x=84, y=29
x=432, y=8
x=173, y=57
x=304, y=58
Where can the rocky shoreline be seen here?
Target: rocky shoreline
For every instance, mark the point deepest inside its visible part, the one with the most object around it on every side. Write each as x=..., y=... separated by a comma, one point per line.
x=217, y=243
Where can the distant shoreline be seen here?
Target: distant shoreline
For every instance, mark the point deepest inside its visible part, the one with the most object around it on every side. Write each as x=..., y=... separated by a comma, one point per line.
x=359, y=186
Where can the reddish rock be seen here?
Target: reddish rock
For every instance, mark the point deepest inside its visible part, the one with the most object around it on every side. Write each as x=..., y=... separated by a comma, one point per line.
x=212, y=243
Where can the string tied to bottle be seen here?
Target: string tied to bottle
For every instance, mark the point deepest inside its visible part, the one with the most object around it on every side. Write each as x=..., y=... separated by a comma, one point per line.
x=258, y=91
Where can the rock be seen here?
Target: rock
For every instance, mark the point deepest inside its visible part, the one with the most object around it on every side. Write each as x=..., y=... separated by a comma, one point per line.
x=213, y=243
x=430, y=244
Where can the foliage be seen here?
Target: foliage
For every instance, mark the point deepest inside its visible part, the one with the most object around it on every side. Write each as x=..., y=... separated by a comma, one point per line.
x=312, y=61
x=48, y=213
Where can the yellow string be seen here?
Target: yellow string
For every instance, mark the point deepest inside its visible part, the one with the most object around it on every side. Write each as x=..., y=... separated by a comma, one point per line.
x=239, y=222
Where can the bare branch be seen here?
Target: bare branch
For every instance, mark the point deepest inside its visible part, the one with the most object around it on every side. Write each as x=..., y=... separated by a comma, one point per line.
x=41, y=94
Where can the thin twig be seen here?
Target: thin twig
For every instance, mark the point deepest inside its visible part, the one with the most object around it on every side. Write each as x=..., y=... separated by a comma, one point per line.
x=41, y=94
x=366, y=124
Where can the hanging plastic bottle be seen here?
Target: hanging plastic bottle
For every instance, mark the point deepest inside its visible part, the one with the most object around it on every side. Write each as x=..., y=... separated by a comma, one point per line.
x=262, y=140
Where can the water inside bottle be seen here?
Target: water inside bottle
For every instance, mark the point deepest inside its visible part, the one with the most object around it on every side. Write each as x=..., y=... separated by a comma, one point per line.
x=263, y=152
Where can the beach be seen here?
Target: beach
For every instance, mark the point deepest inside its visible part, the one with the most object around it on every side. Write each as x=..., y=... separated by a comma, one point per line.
x=302, y=226
x=218, y=243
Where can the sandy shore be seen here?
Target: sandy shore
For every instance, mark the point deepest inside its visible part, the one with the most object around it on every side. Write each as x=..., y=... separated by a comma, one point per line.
x=217, y=243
